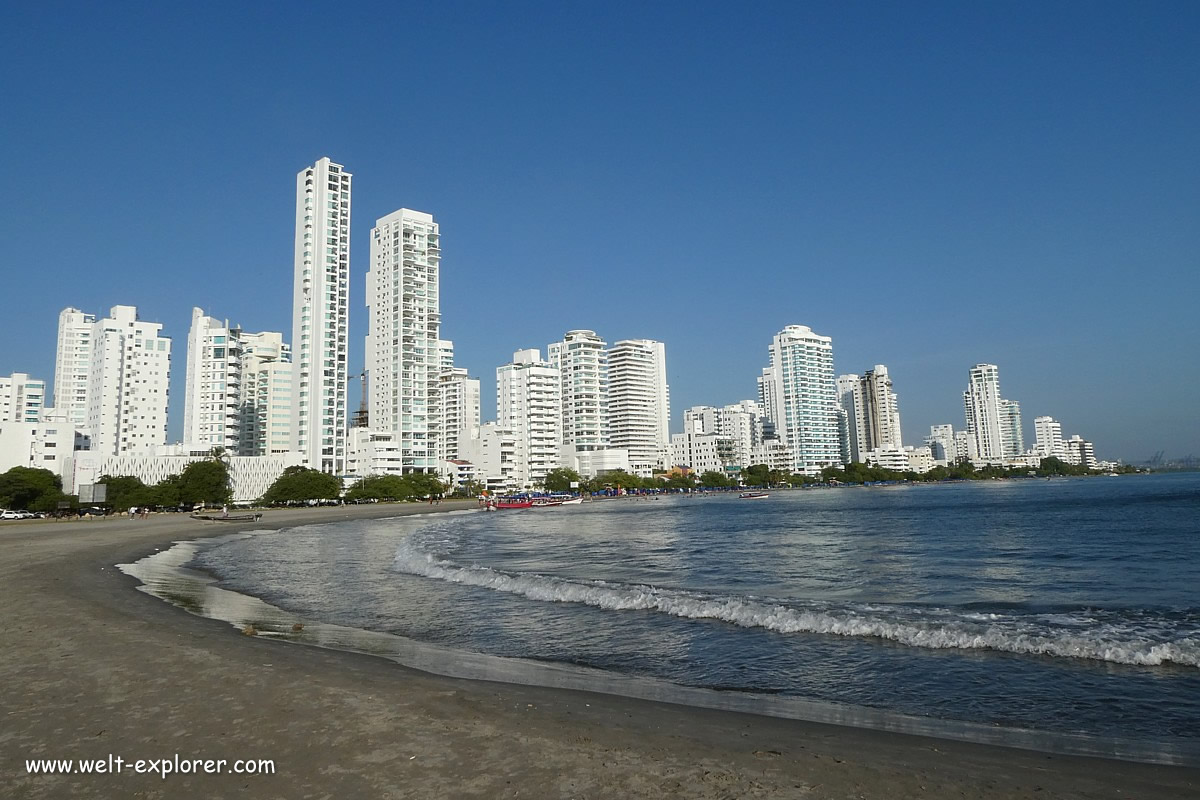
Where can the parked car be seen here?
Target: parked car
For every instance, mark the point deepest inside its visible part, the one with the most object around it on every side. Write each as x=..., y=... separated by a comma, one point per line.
x=10, y=515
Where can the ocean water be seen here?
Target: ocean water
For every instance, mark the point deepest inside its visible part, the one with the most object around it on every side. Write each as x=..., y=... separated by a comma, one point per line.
x=1069, y=606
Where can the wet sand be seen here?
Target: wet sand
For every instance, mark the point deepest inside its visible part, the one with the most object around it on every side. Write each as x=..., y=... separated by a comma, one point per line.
x=91, y=667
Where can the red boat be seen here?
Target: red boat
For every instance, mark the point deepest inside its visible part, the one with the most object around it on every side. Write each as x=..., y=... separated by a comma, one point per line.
x=512, y=502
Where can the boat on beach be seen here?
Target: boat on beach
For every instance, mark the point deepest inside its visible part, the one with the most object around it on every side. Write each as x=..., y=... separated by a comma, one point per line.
x=227, y=517
x=513, y=502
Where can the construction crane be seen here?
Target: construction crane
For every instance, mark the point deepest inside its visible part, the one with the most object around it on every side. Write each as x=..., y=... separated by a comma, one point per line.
x=1156, y=460
x=360, y=417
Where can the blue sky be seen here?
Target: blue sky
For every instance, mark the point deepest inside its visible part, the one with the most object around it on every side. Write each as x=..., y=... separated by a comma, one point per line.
x=931, y=184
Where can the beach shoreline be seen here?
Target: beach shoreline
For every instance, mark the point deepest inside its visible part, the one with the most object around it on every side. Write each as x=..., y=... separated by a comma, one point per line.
x=91, y=667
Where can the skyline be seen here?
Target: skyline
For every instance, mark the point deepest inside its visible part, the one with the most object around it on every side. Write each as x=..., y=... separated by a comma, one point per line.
x=1053, y=160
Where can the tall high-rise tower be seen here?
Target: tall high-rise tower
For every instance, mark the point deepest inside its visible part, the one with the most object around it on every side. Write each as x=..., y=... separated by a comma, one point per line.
x=212, y=397
x=320, y=315
x=128, y=377
x=582, y=362
x=639, y=403
x=872, y=413
x=529, y=404
x=404, y=356
x=1048, y=436
x=803, y=396
x=71, y=364
x=993, y=423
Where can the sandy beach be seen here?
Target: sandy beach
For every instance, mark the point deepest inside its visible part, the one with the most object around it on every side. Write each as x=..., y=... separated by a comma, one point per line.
x=90, y=668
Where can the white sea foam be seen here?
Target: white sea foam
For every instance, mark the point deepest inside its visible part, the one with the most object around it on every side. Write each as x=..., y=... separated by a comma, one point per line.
x=913, y=626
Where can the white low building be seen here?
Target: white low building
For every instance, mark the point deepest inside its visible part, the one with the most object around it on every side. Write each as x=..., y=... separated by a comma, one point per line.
x=48, y=444
x=893, y=458
x=775, y=454
x=249, y=476
x=920, y=459
x=1079, y=452
x=495, y=456
x=459, y=474
x=592, y=463
x=374, y=452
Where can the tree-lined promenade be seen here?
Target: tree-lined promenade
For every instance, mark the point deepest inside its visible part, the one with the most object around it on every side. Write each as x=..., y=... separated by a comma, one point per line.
x=207, y=483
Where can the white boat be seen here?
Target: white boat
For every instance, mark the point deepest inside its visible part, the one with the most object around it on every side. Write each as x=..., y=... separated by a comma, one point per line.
x=753, y=496
x=574, y=501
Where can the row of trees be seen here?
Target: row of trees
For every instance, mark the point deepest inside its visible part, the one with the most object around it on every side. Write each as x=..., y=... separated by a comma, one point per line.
x=300, y=485
x=568, y=480
x=200, y=482
x=965, y=471
x=31, y=489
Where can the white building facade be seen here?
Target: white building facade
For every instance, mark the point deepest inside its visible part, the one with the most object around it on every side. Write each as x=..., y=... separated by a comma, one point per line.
x=993, y=423
x=582, y=361
x=639, y=404
x=73, y=363
x=459, y=402
x=22, y=398
x=128, y=379
x=872, y=412
x=212, y=398
x=1048, y=438
x=404, y=355
x=1079, y=452
x=494, y=456
x=320, y=316
x=529, y=406
x=804, y=401
x=941, y=444
x=266, y=401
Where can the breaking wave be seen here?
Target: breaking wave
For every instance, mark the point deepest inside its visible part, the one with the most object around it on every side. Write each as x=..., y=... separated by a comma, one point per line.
x=1096, y=634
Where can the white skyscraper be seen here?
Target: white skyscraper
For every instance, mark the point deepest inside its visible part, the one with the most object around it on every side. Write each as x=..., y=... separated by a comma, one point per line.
x=213, y=394
x=993, y=423
x=404, y=355
x=72, y=363
x=582, y=361
x=941, y=444
x=639, y=403
x=266, y=402
x=742, y=424
x=1010, y=424
x=320, y=315
x=529, y=405
x=239, y=389
x=21, y=398
x=128, y=376
x=459, y=401
x=804, y=399
x=981, y=402
x=872, y=412
x=1048, y=438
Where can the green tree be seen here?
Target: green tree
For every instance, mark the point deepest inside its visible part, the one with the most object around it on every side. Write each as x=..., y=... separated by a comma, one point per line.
x=679, y=481
x=166, y=492
x=715, y=480
x=424, y=484
x=613, y=479
x=30, y=489
x=300, y=484
x=755, y=475
x=123, y=492
x=205, y=482
x=560, y=480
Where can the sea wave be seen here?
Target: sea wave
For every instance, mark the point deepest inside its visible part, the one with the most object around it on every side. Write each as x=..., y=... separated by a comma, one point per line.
x=1065, y=636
